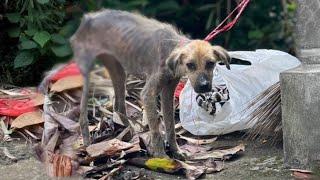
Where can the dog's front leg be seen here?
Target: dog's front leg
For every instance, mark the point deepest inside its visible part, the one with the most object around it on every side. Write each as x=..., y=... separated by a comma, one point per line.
x=149, y=97
x=168, y=117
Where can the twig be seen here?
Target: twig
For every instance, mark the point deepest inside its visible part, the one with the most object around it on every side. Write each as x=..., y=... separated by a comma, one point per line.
x=110, y=174
x=8, y=154
x=31, y=134
x=104, y=167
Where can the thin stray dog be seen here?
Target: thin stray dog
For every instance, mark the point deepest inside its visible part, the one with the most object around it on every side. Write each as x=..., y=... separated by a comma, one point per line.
x=128, y=43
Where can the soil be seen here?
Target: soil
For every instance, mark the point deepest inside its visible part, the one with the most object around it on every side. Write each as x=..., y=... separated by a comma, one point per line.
x=259, y=161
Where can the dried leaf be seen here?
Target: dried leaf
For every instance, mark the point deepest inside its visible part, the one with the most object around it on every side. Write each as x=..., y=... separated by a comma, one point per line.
x=62, y=166
x=193, y=149
x=69, y=82
x=104, y=167
x=301, y=175
x=84, y=169
x=108, y=148
x=192, y=172
x=111, y=173
x=27, y=119
x=66, y=123
x=37, y=99
x=223, y=154
x=198, y=141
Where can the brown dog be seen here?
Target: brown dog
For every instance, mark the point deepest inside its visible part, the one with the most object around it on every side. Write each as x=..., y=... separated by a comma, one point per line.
x=128, y=43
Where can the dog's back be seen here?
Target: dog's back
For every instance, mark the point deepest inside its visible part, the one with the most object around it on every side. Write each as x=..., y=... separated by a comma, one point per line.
x=125, y=36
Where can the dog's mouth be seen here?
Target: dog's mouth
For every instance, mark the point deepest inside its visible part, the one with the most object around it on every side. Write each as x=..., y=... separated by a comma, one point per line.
x=202, y=89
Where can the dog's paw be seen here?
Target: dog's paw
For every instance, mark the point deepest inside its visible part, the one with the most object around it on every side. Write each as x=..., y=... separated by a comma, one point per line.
x=159, y=154
x=180, y=155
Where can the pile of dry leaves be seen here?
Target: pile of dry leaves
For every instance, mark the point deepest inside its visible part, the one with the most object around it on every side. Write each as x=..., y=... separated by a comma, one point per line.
x=52, y=119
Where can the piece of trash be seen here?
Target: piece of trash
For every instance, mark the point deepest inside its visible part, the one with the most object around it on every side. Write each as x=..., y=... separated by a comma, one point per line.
x=263, y=72
x=157, y=164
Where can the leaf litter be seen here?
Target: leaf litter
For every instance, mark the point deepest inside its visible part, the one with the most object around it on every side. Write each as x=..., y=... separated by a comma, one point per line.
x=54, y=129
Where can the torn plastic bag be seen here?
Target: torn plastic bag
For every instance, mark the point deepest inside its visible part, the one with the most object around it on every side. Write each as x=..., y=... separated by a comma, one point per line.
x=244, y=83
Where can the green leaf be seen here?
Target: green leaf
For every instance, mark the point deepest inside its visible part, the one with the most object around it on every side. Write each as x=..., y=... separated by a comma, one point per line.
x=28, y=44
x=13, y=17
x=43, y=1
x=68, y=29
x=14, y=32
x=209, y=21
x=256, y=34
x=24, y=58
x=206, y=7
x=62, y=51
x=57, y=38
x=42, y=38
x=291, y=7
x=31, y=32
x=168, y=6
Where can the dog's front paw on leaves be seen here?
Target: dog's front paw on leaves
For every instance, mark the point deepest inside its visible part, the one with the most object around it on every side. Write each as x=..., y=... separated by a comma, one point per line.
x=159, y=154
x=180, y=155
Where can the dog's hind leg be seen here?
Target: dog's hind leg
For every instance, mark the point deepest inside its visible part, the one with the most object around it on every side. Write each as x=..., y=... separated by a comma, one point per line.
x=118, y=77
x=85, y=63
x=168, y=117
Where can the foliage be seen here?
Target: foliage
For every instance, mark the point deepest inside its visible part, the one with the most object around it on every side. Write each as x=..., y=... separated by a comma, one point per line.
x=37, y=31
x=37, y=24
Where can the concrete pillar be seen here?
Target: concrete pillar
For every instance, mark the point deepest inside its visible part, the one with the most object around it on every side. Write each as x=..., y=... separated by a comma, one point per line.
x=300, y=92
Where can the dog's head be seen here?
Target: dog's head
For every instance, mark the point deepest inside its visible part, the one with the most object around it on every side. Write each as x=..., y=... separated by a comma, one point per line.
x=196, y=60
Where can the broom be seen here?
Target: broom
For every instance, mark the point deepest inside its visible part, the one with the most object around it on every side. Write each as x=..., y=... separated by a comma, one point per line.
x=266, y=116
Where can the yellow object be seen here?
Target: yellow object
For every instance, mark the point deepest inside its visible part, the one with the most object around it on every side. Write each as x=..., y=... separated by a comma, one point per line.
x=165, y=164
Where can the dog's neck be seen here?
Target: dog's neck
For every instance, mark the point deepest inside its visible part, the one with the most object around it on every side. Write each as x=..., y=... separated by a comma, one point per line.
x=183, y=41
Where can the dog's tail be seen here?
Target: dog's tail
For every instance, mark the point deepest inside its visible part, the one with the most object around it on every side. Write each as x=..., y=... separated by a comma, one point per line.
x=43, y=87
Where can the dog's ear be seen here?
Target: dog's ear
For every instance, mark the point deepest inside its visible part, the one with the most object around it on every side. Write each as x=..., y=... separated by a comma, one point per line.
x=222, y=55
x=173, y=62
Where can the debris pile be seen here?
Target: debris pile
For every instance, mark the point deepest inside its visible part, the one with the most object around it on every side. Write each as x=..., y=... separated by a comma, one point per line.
x=114, y=146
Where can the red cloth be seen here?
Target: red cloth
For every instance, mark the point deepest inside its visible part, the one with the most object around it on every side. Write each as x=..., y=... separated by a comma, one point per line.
x=178, y=90
x=16, y=107
x=68, y=70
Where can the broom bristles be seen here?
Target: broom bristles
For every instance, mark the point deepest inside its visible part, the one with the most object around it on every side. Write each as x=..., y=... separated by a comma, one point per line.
x=265, y=114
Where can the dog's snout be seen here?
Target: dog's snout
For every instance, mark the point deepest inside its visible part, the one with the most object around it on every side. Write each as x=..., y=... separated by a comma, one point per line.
x=203, y=84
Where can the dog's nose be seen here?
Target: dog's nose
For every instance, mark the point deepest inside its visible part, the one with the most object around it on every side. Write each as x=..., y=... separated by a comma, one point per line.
x=204, y=86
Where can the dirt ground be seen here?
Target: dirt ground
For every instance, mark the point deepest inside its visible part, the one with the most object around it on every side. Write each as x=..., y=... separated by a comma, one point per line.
x=259, y=161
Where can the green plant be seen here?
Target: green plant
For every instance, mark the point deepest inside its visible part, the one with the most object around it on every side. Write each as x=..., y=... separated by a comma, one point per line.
x=38, y=26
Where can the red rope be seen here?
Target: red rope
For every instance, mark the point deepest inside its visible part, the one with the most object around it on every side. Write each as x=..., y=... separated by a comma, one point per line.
x=241, y=6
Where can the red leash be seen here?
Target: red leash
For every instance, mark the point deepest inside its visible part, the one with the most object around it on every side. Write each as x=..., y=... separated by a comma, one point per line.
x=241, y=6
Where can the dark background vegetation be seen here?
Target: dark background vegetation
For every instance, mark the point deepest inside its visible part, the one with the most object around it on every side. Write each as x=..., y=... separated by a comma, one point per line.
x=34, y=33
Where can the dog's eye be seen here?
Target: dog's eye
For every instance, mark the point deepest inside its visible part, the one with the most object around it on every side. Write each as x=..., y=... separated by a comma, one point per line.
x=210, y=65
x=191, y=66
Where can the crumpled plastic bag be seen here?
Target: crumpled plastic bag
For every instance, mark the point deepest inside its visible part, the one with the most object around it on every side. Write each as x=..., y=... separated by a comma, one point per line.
x=244, y=83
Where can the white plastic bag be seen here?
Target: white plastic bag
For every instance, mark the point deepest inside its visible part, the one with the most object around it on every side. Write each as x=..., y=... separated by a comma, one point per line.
x=244, y=83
